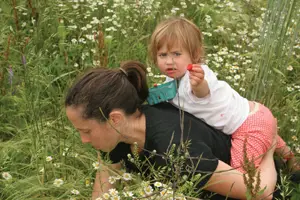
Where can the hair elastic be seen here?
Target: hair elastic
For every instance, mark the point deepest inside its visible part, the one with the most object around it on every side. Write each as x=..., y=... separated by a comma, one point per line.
x=123, y=71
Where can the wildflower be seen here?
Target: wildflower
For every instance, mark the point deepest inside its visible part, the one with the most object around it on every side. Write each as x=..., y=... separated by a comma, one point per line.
x=87, y=182
x=228, y=77
x=74, y=41
x=6, y=176
x=174, y=10
x=294, y=119
x=208, y=19
x=82, y=40
x=158, y=184
x=106, y=196
x=128, y=194
x=294, y=137
x=111, y=180
x=57, y=165
x=290, y=89
x=183, y=4
x=127, y=176
x=148, y=190
x=99, y=198
x=49, y=158
x=144, y=183
x=76, y=192
x=96, y=165
x=115, y=197
x=290, y=68
x=113, y=192
x=58, y=182
x=163, y=192
x=298, y=149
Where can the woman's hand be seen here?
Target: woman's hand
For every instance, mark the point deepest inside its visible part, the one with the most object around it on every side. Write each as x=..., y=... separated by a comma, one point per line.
x=101, y=184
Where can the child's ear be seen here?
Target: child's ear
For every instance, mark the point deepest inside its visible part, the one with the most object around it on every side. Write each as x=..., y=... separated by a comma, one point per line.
x=116, y=117
x=197, y=58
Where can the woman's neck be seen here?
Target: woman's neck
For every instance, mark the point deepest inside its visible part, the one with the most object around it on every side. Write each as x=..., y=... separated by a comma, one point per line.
x=136, y=130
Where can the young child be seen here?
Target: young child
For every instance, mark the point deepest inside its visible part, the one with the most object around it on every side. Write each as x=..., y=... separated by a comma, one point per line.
x=176, y=47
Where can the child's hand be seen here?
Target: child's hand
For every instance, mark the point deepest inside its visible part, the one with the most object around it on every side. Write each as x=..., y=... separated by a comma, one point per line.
x=196, y=74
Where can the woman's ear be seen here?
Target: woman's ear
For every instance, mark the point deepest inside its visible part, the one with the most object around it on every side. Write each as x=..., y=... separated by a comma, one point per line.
x=116, y=118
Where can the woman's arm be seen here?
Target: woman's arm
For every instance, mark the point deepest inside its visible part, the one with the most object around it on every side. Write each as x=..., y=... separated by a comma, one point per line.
x=101, y=184
x=230, y=182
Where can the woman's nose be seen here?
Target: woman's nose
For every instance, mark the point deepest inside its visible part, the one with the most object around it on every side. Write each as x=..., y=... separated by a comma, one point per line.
x=85, y=139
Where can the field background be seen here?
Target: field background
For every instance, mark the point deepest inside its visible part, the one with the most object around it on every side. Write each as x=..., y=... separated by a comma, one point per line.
x=44, y=45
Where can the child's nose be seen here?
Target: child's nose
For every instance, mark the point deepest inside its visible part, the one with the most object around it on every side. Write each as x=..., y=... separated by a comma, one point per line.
x=169, y=60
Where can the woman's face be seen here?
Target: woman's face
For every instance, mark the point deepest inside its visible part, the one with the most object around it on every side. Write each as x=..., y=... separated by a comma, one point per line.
x=101, y=136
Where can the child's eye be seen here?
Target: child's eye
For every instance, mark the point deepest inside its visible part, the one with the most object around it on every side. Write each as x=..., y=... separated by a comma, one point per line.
x=162, y=55
x=176, y=54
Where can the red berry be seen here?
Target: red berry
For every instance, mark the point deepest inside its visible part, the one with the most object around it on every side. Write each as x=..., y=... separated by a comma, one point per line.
x=190, y=67
x=155, y=85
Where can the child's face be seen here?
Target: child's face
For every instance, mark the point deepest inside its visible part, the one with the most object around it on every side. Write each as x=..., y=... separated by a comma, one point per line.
x=173, y=62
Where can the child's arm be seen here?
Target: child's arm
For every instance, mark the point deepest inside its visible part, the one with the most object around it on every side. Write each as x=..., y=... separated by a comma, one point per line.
x=199, y=85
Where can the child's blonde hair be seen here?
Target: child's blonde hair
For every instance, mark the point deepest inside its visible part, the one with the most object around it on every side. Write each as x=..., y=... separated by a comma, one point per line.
x=177, y=31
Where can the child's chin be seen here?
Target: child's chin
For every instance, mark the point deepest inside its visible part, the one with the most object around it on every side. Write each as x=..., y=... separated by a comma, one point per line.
x=175, y=76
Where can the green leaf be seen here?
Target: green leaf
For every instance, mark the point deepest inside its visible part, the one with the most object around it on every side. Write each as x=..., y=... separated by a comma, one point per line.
x=278, y=72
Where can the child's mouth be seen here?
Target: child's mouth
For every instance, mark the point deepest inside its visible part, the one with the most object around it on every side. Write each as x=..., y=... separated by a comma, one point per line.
x=170, y=71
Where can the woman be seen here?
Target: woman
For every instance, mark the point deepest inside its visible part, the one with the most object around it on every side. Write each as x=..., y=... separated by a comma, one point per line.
x=105, y=106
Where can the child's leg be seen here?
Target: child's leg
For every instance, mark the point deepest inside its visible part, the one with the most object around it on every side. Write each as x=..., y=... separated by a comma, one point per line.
x=282, y=149
x=287, y=155
x=259, y=129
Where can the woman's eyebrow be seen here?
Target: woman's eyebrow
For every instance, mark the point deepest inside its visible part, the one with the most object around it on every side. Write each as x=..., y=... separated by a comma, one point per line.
x=82, y=129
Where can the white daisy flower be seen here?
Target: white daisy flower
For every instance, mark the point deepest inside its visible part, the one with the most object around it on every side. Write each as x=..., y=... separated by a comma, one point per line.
x=106, y=196
x=128, y=194
x=76, y=192
x=6, y=176
x=127, y=176
x=148, y=190
x=158, y=184
x=115, y=197
x=113, y=192
x=58, y=182
x=49, y=158
x=111, y=179
x=96, y=165
x=290, y=68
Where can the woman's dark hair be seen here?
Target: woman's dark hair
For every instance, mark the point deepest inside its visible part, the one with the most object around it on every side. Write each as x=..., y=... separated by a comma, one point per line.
x=101, y=90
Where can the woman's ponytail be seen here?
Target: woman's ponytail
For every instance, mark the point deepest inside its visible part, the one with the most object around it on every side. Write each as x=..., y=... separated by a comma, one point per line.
x=136, y=73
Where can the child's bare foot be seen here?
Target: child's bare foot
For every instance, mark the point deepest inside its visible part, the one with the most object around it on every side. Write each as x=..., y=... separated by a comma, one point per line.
x=293, y=164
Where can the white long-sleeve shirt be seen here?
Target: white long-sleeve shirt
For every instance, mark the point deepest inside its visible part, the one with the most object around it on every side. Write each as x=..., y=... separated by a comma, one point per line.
x=223, y=108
